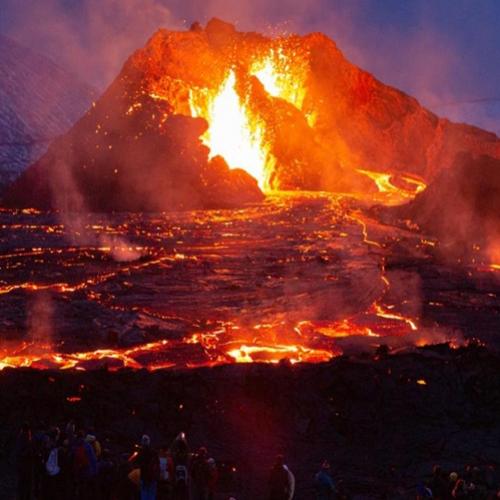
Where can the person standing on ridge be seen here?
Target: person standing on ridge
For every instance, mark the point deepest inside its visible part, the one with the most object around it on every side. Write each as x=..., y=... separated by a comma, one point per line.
x=149, y=465
x=281, y=481
x=24, y=463
x=325, y=485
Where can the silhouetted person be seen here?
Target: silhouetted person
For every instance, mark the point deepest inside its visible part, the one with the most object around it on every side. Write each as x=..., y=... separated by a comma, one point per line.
x=200, y=475
x=213, y=478
x=24, y=463
x=180, y=456
x=106, y=475
x=439, y=484
x=281, y=481
x=324, y=483
x=460, y=490
x=85, y=468
x=65, y=462
x=149, y=465
x=452, y=481
x=52, y=479
x=39, y=442
x=167, y=474
x=423, y=492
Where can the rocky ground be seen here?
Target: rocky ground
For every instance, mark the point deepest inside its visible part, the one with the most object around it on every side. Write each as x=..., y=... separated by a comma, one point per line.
x=382, y=421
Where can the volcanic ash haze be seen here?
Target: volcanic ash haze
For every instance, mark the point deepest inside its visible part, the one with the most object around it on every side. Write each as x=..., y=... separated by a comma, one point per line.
x=211, y=117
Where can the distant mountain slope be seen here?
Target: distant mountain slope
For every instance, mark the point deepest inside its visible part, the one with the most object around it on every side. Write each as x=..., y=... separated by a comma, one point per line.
x=38, y=101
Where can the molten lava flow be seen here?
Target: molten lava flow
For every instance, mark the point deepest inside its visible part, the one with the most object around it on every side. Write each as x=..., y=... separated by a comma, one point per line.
x=396, y=189
x=233, y=132
x=274, y=354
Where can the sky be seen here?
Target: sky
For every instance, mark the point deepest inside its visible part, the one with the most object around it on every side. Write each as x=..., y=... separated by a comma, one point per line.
x=444, y=52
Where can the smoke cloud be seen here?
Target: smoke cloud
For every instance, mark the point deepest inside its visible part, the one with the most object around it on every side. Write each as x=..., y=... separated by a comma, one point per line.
x=92, y=38
x=74, y=214
x=40, y=312
x=441, y=52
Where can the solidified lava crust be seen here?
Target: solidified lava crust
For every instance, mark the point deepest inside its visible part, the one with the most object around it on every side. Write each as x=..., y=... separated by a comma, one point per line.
x=303, y=277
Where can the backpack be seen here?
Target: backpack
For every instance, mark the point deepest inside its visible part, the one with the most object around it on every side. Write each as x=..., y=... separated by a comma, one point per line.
x=164, y=472
x=52, y=466
x=181, y=474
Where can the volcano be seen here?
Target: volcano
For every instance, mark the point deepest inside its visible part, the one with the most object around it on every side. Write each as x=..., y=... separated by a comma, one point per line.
x=245, y=176
x=234, y=199
x=211, y=117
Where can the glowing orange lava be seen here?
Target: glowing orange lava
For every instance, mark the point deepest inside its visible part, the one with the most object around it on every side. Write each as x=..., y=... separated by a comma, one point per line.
x=233, y=132
x=395, y=189
x=282, y=77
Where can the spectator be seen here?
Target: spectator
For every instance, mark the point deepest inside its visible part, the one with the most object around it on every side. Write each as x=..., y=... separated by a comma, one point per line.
x=149, y=465
x=165, y=481
x=85, y=468
x=439, y=484
x=180, y=455
x=106, y=475
x=213, y=478
x=460, y=489
x=65, y=459
x=325, y=486
x=200, y=475
x=452, y=481
x=423, y=492
x=24, y=463
x=96, y=446
x=52, y=479
x=281, y=481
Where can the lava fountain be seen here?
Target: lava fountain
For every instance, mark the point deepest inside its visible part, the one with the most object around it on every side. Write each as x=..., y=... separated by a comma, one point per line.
x=233, y=133
x=238, y=130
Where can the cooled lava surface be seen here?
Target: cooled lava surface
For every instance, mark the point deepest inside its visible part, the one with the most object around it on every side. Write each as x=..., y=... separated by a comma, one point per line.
x=300, y=276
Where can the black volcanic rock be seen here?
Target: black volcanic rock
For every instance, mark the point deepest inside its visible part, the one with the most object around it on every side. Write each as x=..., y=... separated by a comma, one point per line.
x=461, y=207
x=146, y=161
x=38, y=102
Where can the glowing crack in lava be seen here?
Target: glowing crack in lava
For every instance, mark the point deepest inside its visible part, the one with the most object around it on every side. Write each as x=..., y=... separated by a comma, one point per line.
x=298, y=277
x=301, y=276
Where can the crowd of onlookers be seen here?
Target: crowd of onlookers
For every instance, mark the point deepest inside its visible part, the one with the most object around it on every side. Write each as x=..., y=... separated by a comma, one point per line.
x=473, y=483
x=73, y=464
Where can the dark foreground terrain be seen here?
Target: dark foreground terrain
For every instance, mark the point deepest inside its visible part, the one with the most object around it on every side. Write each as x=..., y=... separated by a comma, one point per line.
x=383, y=421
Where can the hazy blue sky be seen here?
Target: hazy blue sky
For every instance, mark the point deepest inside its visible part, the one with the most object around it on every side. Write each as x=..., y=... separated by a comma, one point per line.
x=441, y=51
